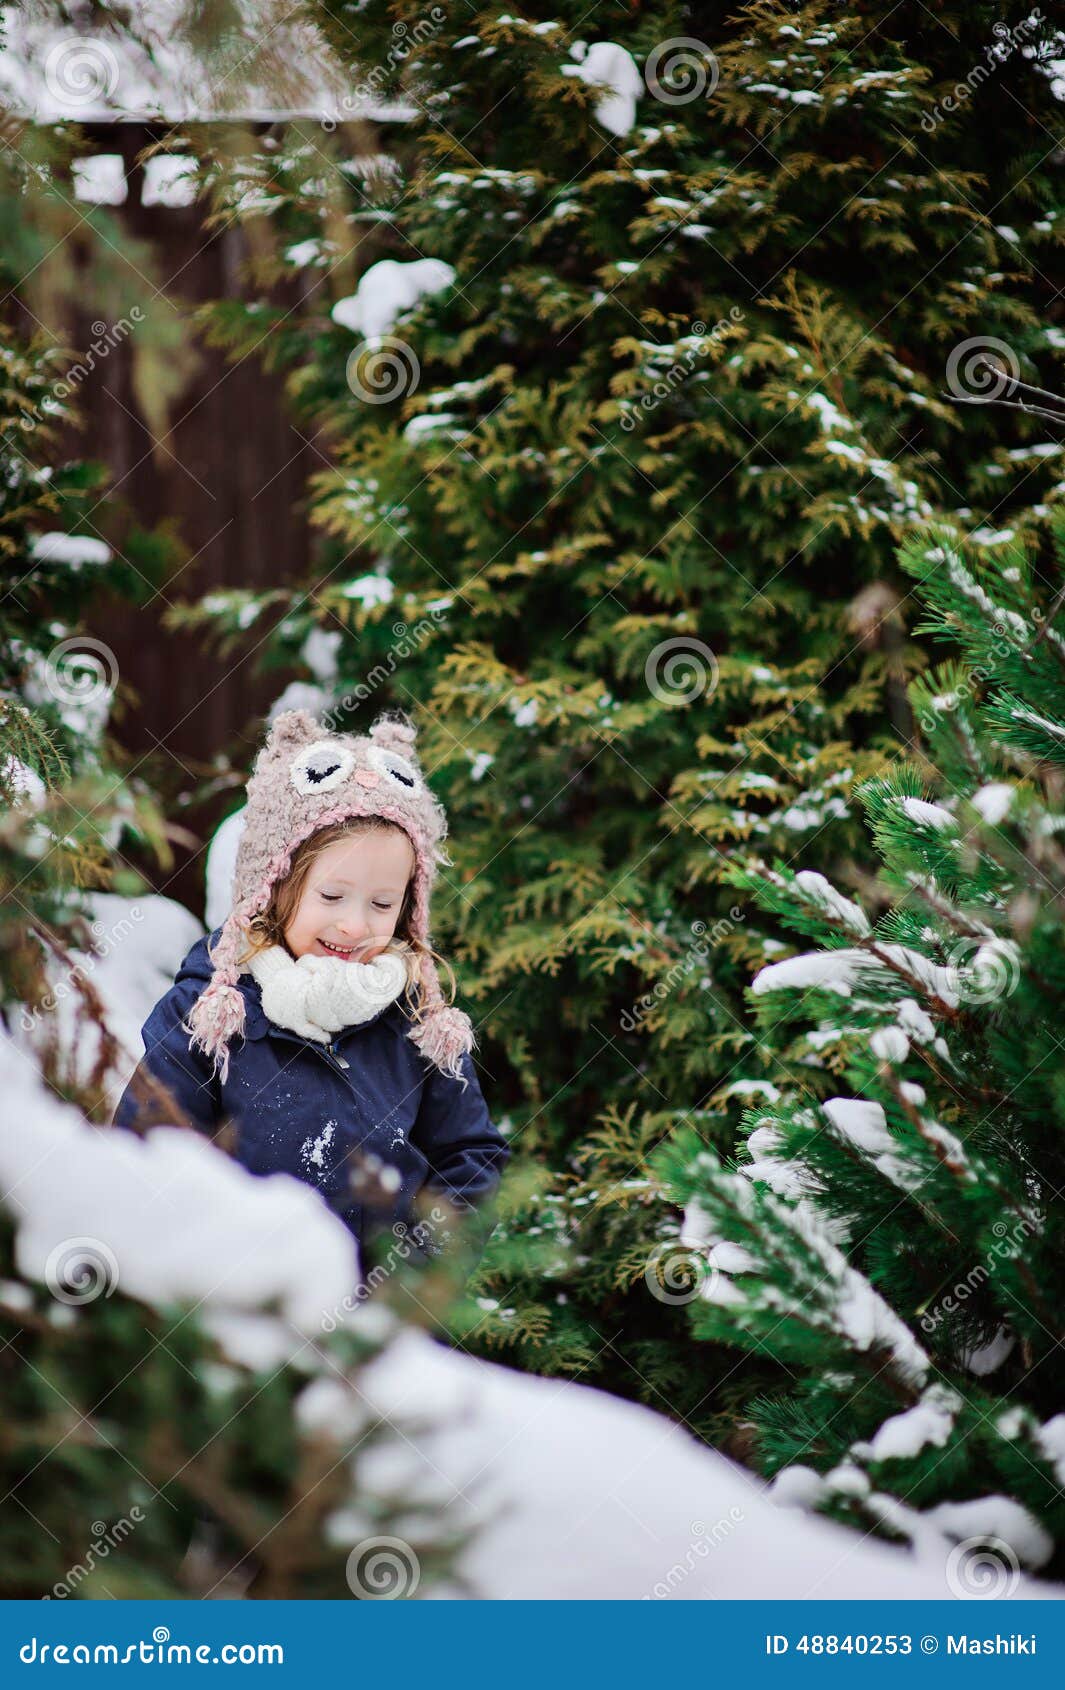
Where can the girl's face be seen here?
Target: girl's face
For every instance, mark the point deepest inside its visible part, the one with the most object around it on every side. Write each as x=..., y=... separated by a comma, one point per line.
x=352, y=897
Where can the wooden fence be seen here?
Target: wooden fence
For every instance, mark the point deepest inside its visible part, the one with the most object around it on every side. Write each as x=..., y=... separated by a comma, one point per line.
x=231, y=478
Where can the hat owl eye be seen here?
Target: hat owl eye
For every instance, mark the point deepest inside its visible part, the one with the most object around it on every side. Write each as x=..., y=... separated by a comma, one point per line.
x=395, y=767
x=321, y=766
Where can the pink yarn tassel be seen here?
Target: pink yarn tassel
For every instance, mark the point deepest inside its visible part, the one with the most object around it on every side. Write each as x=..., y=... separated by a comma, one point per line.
x=215, y=1017
x=443, y=1037
x=444, y=1034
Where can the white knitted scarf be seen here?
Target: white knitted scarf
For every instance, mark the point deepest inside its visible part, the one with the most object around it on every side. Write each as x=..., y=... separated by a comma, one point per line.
x=316, y=996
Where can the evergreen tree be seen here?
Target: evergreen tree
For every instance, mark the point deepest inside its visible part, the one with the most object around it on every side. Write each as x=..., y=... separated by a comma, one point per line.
x=612, y=502
x=891, y=1236
x=68, y=808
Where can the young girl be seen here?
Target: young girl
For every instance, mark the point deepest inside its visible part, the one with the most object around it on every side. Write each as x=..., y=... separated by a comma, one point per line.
x=313, y=1019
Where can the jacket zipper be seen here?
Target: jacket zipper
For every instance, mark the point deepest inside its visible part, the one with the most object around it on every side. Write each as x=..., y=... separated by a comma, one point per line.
x=307, y=1044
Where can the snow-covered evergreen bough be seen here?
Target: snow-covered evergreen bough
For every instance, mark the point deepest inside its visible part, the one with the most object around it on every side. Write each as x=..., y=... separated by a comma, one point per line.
x=894, y=1233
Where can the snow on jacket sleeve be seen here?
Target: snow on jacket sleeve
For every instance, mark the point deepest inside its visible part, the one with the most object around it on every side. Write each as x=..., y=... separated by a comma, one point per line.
x=187, y=1075
x=465, y=1151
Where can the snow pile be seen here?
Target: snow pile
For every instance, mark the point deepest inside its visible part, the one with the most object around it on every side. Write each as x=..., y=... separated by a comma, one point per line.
x=996, y=1518
x=864, y=1125
x=139, y=946
x=829, y=971
x=1051, y=1439
x=823, y=895
x=71, y=550
x=790, y=1179
x=168, y=1218
x=979, y=1545
x=388, y=288
x=928, y=815
x=985, y=1359
x=870, y=1324
x=841, y=971
x=994, y=801
x=100, y=179
x=890, y=1044
x=319, y=651
x=929, y=1422
x=265, y=67
x=221, y=867
x=371, y=590
x=169, y=179
x=579, y=1495
x=24, y=783
x=605, y=64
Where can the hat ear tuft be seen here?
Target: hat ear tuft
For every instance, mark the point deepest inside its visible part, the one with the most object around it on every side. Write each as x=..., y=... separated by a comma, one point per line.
x=290, y=729
x=395, y=732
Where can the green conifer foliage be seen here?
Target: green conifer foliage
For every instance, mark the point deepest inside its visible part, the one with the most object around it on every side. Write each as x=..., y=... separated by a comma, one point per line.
x=615, y=509
x=891, y=1235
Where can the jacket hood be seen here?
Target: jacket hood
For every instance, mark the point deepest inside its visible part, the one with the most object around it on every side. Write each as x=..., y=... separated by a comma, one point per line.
x=197, y=963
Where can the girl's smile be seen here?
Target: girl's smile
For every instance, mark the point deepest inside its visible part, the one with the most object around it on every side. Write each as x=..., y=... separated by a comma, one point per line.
x=346, y=952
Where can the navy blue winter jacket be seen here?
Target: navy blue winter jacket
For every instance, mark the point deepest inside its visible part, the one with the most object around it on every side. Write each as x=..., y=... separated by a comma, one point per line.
x=308, y=1109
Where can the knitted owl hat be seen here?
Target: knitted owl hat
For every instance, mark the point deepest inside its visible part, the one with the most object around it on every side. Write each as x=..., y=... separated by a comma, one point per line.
x=306, y=778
